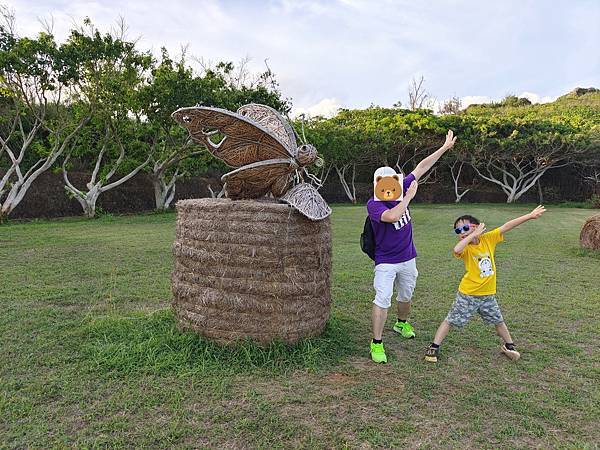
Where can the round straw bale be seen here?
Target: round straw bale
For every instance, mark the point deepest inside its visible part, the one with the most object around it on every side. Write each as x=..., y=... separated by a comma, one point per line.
x=250, y=269
x=590, y=233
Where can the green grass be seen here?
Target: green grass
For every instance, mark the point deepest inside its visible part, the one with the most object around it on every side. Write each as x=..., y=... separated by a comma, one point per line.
x=90, y=356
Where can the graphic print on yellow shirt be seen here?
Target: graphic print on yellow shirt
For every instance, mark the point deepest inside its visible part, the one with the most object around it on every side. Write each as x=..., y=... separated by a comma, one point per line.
x=480, y=267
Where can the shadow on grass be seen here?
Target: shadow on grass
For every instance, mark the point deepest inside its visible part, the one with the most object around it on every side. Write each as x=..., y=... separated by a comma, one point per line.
x=151, y=343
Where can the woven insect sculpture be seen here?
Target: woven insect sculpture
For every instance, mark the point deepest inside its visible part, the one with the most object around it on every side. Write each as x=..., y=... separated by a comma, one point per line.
x=262, y=148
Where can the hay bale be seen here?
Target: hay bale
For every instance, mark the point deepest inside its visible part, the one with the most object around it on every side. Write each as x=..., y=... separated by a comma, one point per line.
x=590, y=233
x=250, y=269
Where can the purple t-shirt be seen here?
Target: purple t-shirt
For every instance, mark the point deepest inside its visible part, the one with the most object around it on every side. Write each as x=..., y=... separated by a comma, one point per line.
x=393, y=241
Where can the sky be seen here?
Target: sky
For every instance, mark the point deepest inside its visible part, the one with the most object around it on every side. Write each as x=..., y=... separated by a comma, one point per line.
x=354, y=53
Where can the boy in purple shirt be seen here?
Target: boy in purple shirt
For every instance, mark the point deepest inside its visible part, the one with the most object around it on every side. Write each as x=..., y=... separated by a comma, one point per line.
x=395, y=252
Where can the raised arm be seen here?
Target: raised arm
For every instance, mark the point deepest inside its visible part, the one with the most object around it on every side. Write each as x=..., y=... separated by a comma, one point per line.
x=535, y=214
x=460, y=247
x=428, y=162
x=394, y=214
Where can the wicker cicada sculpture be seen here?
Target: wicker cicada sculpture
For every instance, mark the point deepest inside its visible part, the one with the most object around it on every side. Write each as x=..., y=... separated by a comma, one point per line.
x=257, y=270
x=262, y=147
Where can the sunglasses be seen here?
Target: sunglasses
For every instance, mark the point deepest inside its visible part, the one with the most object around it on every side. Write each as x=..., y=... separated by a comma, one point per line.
x=462, y=229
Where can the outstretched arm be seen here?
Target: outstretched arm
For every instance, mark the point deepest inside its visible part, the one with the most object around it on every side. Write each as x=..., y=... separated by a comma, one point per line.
x=428, y=162
x=535, y=214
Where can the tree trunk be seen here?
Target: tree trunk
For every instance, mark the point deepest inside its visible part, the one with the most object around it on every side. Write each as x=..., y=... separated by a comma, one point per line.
x=159, y=193
x=89, y=210
x=214, y=194
x=164, y=192
x=511, y=197
x=460, y=196
x=353, y=185
x=87, y=200
x=350, y=192
x=455, y=179
x=540, y=193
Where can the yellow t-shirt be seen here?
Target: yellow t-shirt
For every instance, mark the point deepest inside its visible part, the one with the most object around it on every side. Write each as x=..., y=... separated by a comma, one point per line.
x=480, y=275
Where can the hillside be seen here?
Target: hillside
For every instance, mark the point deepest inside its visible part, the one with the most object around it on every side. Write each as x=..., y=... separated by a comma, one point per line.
x=579, y=104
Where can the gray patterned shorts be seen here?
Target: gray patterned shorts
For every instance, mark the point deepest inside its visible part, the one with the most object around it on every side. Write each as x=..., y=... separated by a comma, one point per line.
x=466, y=305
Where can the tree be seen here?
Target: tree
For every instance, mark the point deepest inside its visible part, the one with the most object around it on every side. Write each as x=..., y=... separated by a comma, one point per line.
x=418, y=97
x=38, y=81
x=336, y=142
x=373, y=137
x=102, y=174
x=513, y=100
x=514, y=143
x=455, y=169
x=451, y=106
x=515, y=154
x=412, y=137
x=173, y=85
x=349, y=140
x=115, y=74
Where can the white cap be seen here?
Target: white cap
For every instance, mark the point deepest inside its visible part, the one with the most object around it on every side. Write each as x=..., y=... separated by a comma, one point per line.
x=384, y=172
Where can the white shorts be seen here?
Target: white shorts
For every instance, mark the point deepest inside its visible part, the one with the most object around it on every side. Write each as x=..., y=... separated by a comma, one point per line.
x=403, y=275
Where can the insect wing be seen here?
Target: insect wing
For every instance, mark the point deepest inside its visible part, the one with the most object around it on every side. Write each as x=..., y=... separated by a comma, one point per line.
x=307, y=200
x=244, y=141
x=270, y=119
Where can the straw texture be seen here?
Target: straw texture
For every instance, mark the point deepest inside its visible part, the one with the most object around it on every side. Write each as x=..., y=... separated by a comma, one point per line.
x=250, y=269
x=590, y=233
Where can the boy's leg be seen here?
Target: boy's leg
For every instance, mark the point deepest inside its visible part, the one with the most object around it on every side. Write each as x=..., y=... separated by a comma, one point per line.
x=502, y=331
x=406, y=281
x=433, y=351
x=403, y=310
x=378, y=318
x=490, y=313
x=462, y=309
x=508, y=347
x=383, y=282
x=441, y=333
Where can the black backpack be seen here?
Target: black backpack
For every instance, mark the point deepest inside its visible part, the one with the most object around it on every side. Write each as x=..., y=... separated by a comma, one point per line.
x=367, y=239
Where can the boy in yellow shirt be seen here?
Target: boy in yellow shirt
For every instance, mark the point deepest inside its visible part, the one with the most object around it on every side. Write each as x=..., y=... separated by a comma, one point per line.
x=477, y=289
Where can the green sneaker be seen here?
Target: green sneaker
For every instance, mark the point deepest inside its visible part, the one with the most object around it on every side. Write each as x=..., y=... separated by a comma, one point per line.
x=378, y=353
x=405, y=329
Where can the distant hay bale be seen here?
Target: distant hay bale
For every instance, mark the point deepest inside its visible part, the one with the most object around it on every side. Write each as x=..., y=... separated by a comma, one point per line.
x=590, y=233
x=250, y=269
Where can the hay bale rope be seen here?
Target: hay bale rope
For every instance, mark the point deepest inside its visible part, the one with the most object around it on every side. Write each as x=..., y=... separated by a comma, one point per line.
x=590, y=233
x=255, y=269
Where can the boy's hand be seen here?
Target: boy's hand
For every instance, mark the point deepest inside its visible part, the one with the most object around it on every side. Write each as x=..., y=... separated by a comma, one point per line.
x=450, y=140
x=537, y=212
x=412, y=190
x=479, y=230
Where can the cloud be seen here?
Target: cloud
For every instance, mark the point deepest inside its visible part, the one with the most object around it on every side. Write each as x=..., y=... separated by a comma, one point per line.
x=535, y=98
x=360, y=52
x=479, y=99
x=475, y=100
x=328, y=107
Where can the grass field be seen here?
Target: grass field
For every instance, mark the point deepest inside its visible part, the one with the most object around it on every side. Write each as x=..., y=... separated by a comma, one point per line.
x=90, y=356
